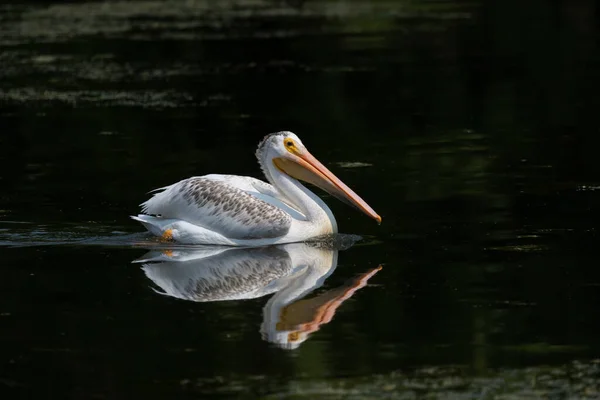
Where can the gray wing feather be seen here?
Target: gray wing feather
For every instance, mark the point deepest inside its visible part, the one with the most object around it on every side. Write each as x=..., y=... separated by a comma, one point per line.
x=220, y=207
x=261, y=190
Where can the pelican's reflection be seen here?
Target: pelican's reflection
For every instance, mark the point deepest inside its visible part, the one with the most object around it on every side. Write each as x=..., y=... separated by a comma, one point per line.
x=291, y=271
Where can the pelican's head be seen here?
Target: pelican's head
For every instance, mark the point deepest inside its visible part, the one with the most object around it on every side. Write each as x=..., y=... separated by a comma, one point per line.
x=287, y=153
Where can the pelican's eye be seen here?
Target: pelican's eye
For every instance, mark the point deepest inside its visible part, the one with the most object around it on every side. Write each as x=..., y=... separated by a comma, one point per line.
x=290, y=145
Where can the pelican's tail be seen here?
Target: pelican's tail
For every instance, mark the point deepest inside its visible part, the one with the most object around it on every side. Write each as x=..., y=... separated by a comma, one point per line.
x=157, y=226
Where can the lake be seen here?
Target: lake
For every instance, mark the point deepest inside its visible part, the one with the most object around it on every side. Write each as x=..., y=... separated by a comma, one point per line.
x=470, y=126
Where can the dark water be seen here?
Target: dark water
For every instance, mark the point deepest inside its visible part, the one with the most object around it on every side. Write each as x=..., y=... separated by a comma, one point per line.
x=470, y=127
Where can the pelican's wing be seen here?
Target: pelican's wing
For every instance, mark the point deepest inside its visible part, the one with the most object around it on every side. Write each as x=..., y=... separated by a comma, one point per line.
x=220, y=207
x=261, y=190
x=247, y=184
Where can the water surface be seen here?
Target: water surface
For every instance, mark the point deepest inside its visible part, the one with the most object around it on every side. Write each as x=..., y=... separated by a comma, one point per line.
x=470, y=127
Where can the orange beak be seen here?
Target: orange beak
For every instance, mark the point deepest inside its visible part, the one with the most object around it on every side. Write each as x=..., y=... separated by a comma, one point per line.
x=309, y=169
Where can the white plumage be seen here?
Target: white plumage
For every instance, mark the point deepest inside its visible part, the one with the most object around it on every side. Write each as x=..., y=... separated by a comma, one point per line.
x=243, y=211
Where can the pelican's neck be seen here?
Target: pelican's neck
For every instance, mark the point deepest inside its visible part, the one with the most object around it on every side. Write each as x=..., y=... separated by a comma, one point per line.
x=307, y=202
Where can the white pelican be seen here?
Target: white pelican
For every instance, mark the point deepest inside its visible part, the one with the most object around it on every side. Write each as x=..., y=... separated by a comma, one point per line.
x=242, y=211
x=291, y=271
